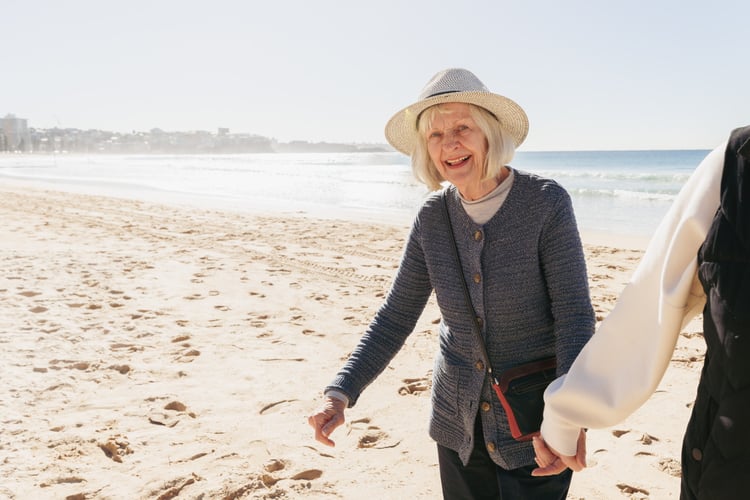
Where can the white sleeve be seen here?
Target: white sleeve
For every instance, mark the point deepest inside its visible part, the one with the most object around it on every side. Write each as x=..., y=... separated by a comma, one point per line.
x=337, y=395
x=623, y=363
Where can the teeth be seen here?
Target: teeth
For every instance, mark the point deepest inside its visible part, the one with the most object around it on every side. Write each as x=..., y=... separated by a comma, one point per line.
x=459, y=160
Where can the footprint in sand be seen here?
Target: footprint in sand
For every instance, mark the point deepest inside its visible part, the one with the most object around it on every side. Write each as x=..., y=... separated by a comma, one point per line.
x=320, y=297
x=671, y=467
x=129, y=347
x=116, y=447
x=257, y=320
x=414, y=386
x=633, y=491
x=188, y=356
x=371, y=436
x=274, y=465
x=175, y=486
x=275, y=406
x=353, y=321
x=376, y=439
x=648, y=439
x=170, y=415
x=51, y=329
x=67, y=480
x=123, y=369
x=279, y=272
x=307, y=475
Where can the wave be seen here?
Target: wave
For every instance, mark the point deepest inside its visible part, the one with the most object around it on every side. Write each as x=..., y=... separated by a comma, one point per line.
x=623, y=194
x=617, y=175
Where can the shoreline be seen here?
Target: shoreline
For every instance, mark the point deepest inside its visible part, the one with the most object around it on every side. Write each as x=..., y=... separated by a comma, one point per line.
x=156, y=349
x=395, y=218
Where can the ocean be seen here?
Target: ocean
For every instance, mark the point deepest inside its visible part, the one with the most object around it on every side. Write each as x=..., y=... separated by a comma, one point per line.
x=625, y=192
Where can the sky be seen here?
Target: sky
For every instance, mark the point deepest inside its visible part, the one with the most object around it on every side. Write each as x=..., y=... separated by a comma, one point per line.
x=591, y=75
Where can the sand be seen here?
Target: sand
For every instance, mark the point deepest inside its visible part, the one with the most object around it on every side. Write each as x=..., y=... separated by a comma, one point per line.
x=159, y=351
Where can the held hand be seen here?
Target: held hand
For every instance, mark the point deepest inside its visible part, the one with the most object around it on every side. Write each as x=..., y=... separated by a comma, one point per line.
x=551, y=462
x=326, y=419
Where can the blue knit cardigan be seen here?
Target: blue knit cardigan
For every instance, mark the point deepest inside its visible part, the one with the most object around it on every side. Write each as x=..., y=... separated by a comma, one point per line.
x=526, y=274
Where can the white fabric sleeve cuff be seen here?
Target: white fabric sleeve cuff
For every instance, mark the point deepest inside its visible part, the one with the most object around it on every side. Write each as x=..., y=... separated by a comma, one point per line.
x=563, y=438
x=338, y=395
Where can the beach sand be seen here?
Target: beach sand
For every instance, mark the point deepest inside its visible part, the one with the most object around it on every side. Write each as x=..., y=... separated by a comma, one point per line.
x=159, y=351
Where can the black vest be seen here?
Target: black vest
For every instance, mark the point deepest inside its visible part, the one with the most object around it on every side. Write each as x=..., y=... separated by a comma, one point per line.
x=716, y=448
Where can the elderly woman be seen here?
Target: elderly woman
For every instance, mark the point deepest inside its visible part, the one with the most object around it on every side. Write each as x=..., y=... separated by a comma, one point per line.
x=521, y=257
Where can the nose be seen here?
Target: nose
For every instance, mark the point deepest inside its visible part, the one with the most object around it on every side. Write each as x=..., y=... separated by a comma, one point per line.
x=450, y=140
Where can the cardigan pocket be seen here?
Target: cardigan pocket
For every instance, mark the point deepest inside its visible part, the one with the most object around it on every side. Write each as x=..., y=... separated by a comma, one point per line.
x=445, y=382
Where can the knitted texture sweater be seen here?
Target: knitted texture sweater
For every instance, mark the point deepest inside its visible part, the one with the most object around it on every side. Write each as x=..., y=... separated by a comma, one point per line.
x=526, y=274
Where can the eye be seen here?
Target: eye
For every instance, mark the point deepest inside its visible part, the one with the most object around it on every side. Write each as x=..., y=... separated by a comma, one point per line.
x=462, y=128
x=434, y=135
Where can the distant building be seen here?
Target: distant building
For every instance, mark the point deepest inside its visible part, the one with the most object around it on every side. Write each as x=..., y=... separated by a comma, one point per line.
x=14, y=134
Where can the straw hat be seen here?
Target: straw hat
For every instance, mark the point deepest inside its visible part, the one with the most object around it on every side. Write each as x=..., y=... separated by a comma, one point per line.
x=455, y=85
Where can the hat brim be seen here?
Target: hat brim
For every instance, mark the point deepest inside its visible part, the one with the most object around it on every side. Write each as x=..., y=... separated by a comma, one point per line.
x=401, y=130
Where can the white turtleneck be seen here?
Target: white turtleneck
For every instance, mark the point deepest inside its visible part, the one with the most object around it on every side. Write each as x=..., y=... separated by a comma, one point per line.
x=482, y=210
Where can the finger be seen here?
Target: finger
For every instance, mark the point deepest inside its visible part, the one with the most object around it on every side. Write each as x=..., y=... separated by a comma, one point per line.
x=331, y=425
x=571, y=462
x=551, y=470
x=323, y=437
x=543, y=454
x=581, y=452
x=318, y=422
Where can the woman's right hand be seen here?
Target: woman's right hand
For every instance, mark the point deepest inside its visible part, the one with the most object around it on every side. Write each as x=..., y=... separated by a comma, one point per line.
x=327, y=418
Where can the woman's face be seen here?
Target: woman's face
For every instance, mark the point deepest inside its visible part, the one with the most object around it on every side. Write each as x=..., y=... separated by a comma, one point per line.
x=457, y=146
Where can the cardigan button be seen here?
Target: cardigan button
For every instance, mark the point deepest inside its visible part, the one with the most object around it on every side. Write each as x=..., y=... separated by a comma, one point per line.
x=697, y=454
x=477, y=278
x=479, y=366
x=480, y=322
x=486, y=406
x=491, y=447
x=477, y=235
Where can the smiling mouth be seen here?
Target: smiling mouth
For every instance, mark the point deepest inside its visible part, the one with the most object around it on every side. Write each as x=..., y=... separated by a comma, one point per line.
x=453, y=163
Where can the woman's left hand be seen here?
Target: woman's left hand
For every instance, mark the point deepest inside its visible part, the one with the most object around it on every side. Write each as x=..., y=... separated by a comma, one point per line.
x=551, y=462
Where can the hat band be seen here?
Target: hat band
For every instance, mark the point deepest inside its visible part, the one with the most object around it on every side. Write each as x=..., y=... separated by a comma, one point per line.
x=419, y=116
x=442, y=93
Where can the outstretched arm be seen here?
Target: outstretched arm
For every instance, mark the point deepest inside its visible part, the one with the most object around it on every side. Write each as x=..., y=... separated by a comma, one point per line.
x=622, y=364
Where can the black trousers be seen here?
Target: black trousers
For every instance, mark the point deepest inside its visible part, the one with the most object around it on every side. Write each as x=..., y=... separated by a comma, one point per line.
x=482, y=479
